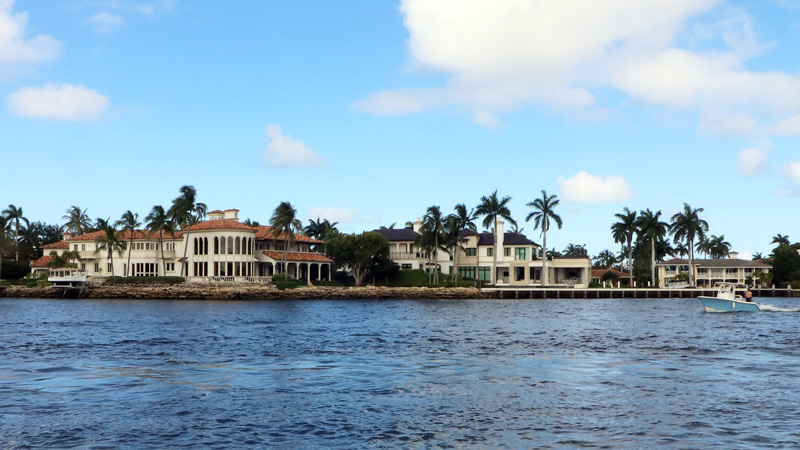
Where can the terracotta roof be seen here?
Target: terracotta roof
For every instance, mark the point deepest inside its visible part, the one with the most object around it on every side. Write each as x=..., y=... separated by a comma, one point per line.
x=724, y=262
x=138, y=235
x=265, y=232
x=56, y=245
x=292, y=256
x=42, y=262
x=216, y=211
x=220, y=224
x=598, y=273
x=232, y=209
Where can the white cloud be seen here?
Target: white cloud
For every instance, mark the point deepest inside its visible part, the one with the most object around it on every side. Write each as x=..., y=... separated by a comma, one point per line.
x=283, y=151
x=507, y=54
x=587, y=188
x=59, y=102
x=18, y=52
x=334, y=214
x=105, y=22
x=792, y=170
x=752, y=161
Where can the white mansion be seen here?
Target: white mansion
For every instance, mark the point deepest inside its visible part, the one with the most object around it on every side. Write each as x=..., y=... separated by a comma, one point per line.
x=218, y=249
x=519, y=260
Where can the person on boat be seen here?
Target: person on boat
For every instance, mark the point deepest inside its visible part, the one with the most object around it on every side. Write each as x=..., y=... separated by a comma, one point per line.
x=748, y=296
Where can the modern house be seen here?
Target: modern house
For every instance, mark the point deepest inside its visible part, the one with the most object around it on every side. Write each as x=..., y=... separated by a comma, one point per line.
x=218, y=249
x=518, y=262
x=707, y=272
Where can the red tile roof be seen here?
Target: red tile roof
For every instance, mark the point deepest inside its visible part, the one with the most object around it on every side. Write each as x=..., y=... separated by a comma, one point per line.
x=265, y=232
x=42, y=262
x=220, y=224
x=216, y=211
x=598, y=273
x=304, y=257
x=56, y=245
x=138, y=235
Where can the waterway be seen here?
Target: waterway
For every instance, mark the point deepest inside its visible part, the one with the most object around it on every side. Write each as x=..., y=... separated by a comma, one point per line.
x=606, y=373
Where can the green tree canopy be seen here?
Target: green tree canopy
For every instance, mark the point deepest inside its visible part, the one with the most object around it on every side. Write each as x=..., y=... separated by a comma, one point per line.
x=358, y=252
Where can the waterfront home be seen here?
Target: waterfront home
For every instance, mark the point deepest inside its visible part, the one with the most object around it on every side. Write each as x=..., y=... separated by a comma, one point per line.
x=519, y=260
x=707, y=272
x=619, y=277
x=218, y=249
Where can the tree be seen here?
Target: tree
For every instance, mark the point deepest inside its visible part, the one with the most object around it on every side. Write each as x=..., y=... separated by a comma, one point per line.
x=542, y=215
x=109, y=241
x=687, y=226
x=15, y=215
x=785, y=265
x=185, y=212
x=129, y=222
x=651, y=227
x=758, y=256
x=284, y=222
x=623, y=232
x=66, y=259
x=78, y=221
x=780, y=239
x=251, y=223
x=719, y=247
x=359, y=252
x=604, y=260
x=704, y=246
x=457, y=222
x=431, y=236
x=576, y=251
x=318, y=229
x=492, y=208
x=158, y=222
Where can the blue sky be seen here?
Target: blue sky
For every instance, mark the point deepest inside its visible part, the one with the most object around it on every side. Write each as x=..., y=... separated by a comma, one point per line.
x=367, y=112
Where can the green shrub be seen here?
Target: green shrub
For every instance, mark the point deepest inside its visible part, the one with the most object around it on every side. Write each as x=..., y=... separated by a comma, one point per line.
x=328, y=283
x=281, y=285
x=595, y=284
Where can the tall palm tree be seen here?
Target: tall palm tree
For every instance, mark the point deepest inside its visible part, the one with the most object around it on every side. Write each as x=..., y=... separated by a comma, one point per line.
x=493, y=208
x=758, y=256
x=186, y=211
x=780, y=240
x=129, y=222
x=284, y=221
x=605, y=259
x=158, y=222
x=650, y=226
x=687, y=226
x=14, y=214
x=623, y=232
x=680, y=249
x=432, y=230
x=704, y=246
x=78, y=221
x=461, y=220
x=576, y=250
x=317, y=229
x=719, y=247
x=542, y=215
x=109, y=241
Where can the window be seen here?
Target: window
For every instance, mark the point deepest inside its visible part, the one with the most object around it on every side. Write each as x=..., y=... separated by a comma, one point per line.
x=76, y=247
x=406, y=266
x=83, y=266
x=96, y=267
x=490, y=251
x=170, y=267
x=506, y=251
x=485, y=273
x=466, y=272
x=230, y=245
x=471, y=252
x=110, y=268
x=521, y=253
x=83, y=247
x=222, y=241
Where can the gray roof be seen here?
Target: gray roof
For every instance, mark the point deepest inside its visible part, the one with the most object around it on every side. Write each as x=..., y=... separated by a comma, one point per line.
x=399, y=234
x=487, y=238
x=721, y=263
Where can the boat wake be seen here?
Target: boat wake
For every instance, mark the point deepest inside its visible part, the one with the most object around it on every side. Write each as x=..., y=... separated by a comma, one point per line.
x=770, y=308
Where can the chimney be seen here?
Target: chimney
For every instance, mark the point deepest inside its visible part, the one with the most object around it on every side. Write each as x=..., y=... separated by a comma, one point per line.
x=417, y=225
x=499, y=237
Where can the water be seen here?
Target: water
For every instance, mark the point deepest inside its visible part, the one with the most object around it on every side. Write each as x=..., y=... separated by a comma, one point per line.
x=613, y=373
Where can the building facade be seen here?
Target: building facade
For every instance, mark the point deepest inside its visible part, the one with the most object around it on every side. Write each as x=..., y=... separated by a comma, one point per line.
x=499, y=258
x=707, y=272
x=218, y=249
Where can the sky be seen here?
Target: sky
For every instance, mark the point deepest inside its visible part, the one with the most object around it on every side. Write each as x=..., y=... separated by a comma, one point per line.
x=368, y=112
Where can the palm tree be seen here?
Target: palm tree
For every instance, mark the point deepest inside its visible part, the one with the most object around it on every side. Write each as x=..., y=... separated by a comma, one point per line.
x=317, y=229
x=492, y=208
x=109, y=241
x=284, y=221
x=158, y=221
x=688, y=225
x=719, y=247
x=780, y=239
x=461, y=220
x=623, y=232
x=758, y=256
x=14, y=214
x=703, y=246
x=251, y=223
x=680, y=249
x=185, y=211
x=605, y=259
x=78, y=221
x=432, y=230
x=542, y=214
x=650, y=226
x=576, y=251
x=129, y=222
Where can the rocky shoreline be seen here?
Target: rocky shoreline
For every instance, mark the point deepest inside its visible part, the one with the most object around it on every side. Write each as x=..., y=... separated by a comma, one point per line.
x=242, y=292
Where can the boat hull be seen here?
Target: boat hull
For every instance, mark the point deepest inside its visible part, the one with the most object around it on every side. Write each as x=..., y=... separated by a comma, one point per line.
x=723, y=304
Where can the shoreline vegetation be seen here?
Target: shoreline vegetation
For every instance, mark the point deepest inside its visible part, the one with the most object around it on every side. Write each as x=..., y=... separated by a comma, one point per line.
x=242, y=292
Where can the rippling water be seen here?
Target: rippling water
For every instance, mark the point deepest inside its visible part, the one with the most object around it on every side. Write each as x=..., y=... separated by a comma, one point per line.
x=618, y=373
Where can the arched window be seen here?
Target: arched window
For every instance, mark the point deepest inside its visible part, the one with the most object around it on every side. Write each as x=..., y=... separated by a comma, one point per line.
x=238, y=246
x=222, y=245
x=230, y=245
x=205, y=246
x=216, y=245
x=195, y=246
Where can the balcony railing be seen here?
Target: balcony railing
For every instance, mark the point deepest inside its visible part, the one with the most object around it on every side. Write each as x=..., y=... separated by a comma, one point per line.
x=405, y=255
x=257, y=280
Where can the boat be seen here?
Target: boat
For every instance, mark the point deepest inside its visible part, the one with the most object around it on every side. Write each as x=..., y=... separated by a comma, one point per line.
x=727, y=300
x=67, y=277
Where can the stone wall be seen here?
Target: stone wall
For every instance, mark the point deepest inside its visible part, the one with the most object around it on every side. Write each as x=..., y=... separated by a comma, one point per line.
x=240, y=292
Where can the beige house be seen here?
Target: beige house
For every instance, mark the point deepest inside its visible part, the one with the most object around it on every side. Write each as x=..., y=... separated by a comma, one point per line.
x=218, y=249
x=519, y=260
x=707, y=272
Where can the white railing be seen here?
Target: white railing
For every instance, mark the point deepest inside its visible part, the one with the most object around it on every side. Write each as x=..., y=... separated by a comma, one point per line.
x=240, y=279
x=404, y=255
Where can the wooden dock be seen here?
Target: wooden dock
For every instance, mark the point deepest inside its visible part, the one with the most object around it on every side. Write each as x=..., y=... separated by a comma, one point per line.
x=511, y=292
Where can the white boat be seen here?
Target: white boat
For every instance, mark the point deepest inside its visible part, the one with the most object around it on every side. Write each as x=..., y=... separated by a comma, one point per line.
x=727, y=300
x=67, y=277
